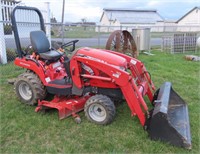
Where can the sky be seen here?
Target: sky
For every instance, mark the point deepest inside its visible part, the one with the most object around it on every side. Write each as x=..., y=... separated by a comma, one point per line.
x=91, y=10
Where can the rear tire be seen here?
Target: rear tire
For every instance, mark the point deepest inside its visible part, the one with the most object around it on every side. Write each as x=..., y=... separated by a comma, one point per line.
x=29, y=88
x=100, y=109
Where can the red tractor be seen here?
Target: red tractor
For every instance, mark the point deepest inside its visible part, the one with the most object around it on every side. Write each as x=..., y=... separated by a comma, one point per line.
x=92, y=80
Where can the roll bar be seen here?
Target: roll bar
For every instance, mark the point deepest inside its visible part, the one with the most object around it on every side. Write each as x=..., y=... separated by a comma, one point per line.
x=15, y=29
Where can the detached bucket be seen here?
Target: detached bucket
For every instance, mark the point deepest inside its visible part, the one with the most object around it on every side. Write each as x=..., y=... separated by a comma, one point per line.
x=170, y=120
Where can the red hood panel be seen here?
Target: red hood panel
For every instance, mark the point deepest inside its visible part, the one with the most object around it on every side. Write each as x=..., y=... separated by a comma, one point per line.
x=104, y=55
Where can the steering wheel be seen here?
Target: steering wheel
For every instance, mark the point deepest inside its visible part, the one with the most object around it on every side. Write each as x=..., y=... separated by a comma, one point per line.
x=28, y=50
x=71, y=43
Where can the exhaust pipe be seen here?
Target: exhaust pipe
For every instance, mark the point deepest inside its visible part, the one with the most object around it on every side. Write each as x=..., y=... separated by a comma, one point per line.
x=169, y=121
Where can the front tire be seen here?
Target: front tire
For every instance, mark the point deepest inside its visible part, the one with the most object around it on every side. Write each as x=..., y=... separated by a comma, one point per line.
x=29, y=88
x=100, y=109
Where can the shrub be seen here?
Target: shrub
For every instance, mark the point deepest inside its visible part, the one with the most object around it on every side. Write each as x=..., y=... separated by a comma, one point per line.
x=7, y=29
x=11, y=54
x=52, y=32
x=28, y=50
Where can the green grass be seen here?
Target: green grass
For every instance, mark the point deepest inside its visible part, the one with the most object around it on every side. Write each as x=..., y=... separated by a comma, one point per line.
x=79, y=32
x=24, y=131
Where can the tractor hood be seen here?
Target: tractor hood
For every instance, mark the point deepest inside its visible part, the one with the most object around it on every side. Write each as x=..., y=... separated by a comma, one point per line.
x=103, y=55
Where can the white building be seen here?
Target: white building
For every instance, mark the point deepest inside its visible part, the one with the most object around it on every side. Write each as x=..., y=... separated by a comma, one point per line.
x=190, y=21
x=116, y=18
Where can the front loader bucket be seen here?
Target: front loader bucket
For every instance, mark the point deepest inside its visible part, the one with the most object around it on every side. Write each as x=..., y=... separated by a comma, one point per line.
x=170, y=121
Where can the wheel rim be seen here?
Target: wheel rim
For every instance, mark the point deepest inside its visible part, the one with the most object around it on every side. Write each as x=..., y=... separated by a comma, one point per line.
x=122, y=41
x=97, y=112
x=25, y=91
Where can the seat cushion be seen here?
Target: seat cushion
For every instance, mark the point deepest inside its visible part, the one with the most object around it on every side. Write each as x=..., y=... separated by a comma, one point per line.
x=39, y=41
x=51, y=55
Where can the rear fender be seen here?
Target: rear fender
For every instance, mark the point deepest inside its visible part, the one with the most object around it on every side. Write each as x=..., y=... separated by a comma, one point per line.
x=33, y=66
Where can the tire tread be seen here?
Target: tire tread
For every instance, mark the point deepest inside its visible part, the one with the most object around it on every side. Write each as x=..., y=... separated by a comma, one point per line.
x=107, y=103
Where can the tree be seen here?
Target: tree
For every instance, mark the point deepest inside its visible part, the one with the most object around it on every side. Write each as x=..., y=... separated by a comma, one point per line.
x=83, y=20
x=53, y=20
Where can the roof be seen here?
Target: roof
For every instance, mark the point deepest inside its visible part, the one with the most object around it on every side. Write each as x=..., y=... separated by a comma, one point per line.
x=187, y=13
x=129, y=10
x=132, y=15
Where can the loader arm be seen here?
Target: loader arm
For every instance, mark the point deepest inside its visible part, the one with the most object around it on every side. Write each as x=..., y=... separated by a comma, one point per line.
x=133, y=93
x=134, y=64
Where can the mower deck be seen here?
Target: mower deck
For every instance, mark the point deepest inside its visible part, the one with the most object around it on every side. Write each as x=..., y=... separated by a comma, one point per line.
x=65, y=106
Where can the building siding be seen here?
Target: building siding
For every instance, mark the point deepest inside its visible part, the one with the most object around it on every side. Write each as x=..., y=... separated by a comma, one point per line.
x=190, y=21
x=128, y=18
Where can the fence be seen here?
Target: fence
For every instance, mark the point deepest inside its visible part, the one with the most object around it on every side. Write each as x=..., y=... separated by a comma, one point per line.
x=154, y=28
x=180, y=42
x=91, y=36
x=27, y=21
x=88, y=35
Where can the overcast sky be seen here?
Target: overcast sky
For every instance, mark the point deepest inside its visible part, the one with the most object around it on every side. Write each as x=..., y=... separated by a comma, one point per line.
x=91, y=10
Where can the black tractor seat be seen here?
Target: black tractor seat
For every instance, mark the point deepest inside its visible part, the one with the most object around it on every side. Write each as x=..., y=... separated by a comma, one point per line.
x=41, y=45
x=51, y=55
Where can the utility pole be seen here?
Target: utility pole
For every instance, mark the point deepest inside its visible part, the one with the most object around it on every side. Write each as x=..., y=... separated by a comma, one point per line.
x=48, y=26
x=63, y=13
